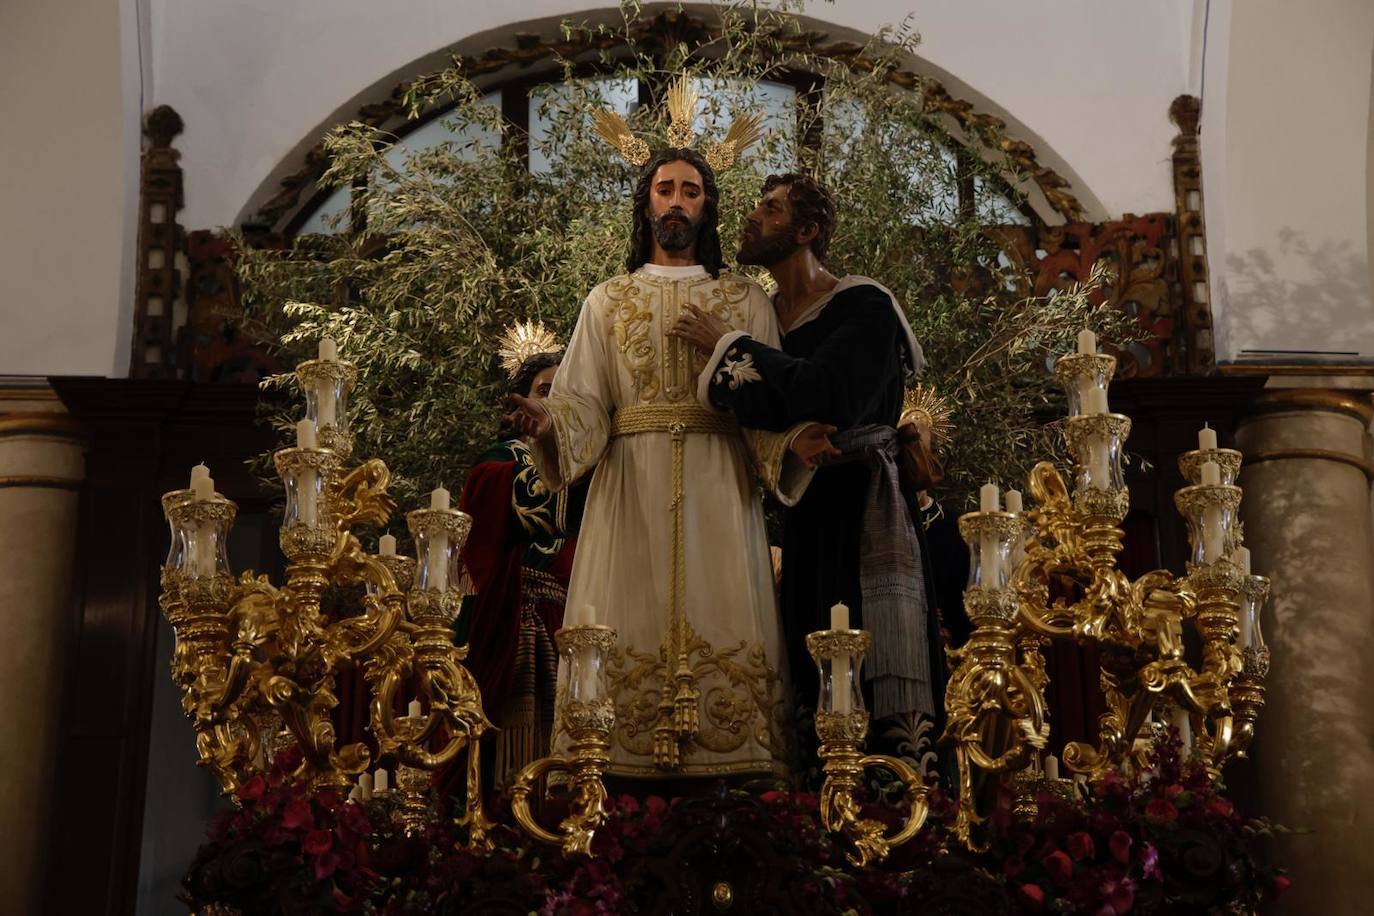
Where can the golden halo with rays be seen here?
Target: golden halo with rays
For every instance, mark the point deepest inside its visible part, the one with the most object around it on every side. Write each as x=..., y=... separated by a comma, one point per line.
x=922, y=404
x=522, y=340
x=681, y=102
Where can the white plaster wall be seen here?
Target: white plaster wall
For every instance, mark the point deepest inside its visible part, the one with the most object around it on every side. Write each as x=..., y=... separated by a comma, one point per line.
x=1087, y=82
x=1286, y=134
x=69, y=185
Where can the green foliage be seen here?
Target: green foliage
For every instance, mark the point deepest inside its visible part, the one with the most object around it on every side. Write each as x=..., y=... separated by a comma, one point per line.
x=462, y=240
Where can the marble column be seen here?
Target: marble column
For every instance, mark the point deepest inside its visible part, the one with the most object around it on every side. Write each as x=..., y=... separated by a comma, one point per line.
x=1308, y=524
x=41, y=469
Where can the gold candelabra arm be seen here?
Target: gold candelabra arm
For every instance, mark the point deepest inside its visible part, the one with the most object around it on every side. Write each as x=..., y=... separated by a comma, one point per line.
x=360, y=497
x=585, y=763
x=588, y=717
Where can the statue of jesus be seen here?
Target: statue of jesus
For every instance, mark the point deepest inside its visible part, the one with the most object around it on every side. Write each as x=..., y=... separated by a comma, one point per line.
x=673, y=551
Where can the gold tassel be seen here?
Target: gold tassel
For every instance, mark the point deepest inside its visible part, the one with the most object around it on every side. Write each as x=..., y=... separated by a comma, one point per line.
x=686, y=717
x=666, y=752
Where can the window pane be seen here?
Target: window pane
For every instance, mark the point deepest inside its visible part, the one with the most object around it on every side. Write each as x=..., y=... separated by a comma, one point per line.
x=466, y=138
x=994, y=207
x=549, y=105
x=321, y=222
x=719, y=100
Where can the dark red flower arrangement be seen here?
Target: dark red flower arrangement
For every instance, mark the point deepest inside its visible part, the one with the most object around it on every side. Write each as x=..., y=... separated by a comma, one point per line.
x=1160, y=840
x=282, y=851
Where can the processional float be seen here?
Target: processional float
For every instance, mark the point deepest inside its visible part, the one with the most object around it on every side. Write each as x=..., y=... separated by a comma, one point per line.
x=259, y=664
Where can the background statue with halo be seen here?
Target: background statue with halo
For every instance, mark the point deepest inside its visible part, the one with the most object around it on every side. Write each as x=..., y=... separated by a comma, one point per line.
x=518, y=560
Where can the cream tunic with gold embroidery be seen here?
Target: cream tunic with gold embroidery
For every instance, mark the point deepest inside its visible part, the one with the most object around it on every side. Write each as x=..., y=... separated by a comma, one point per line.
x=696, y=678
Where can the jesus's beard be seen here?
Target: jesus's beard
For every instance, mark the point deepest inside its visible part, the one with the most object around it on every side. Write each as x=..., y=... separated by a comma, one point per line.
x=765, y=250
x=679, y=234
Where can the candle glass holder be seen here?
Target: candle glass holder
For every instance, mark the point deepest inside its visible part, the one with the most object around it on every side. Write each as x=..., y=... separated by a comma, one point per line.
x=307, y=474
x=839, y=656
x=327, y=385
x=439, y=537
x=1211, y=511
x=991, y=537
x=1096, y=442
x=1081, y=372
x=1254, y=593
x=200, y=535
x=1227, y=460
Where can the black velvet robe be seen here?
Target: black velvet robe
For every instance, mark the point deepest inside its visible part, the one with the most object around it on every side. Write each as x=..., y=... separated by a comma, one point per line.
x=845, y=367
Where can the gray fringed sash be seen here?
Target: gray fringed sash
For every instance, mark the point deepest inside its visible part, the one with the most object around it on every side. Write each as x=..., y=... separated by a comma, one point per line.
x=891, y=579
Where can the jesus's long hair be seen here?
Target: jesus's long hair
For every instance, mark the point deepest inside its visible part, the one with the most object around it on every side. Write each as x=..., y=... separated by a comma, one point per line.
x=708, y=236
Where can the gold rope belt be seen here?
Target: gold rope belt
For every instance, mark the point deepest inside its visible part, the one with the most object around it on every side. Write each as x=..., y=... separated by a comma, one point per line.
x=671, y=418
x=678, y=719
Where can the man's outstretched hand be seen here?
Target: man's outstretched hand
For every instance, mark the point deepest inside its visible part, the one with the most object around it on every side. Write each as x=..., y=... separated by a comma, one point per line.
x=529, y=417
x=700, y=329
x=812, y=445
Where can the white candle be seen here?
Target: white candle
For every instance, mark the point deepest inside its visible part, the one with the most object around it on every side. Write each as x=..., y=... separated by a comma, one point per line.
x=306, y=498
x=203, y=490
x=580, y=616
x=840, y=699
x=1087, y=342
x=380, y=783
x=324, y=399
x=1013, y=500
x=1099, y=465
x=355, y=794
x=1213, y=534
x=202, y=486
x=386, y=545
x=329, y=350
x=439, y=498
x=988, y=498
x=586, y=686
x=415, y=710
x=1243, y=559
x=839, y=616
x=989, y=562
x=1206, y=437
x=1052, y=767
x=1181, y=720
x=436, y=560
x=365, y=786
x=1247, y=626
x=1096, y=401
x=305, y=435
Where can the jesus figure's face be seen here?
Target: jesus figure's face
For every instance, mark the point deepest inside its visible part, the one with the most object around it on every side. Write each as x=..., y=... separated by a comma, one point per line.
x=677, y=203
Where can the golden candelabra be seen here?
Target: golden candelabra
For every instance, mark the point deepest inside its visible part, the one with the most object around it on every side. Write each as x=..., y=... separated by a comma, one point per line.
x=842, y=725
x=1050, y=574
x=258, y=664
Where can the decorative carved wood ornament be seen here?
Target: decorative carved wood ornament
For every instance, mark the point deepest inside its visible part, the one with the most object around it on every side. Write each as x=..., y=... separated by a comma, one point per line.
x=670, y=29
x=158, y=284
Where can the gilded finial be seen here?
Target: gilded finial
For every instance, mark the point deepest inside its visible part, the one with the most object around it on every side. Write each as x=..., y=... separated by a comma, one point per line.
x=682, y=110
x=612, y=128
x=744, y=132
